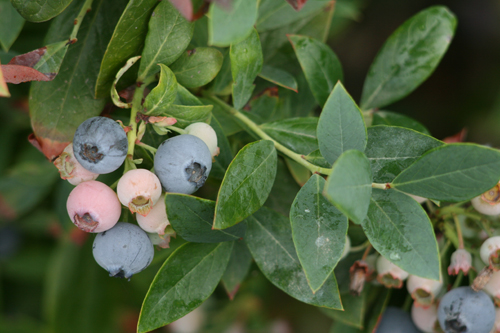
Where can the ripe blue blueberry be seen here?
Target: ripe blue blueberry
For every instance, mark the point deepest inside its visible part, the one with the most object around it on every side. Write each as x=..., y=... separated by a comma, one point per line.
x=182, y=164
x=395, y=320
x=123, y=250
x=100, y=145
x=462, y=310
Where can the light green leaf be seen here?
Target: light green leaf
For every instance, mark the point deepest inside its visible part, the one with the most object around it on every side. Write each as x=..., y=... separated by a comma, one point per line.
x=163, y=95
x=396, y=119
x=453, y=173
x=297, y=134
x=319, y=232
x=349, y=186
x=237, y=268
x=279, y=77
x=400, y=230
x=188, y=114
x=408, y=57
x=341, y=126
x=316, y=158
x=247, y=183
x=197, y=67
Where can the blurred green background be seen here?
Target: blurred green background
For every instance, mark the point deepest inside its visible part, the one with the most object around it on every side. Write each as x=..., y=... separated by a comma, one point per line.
x=49, y=281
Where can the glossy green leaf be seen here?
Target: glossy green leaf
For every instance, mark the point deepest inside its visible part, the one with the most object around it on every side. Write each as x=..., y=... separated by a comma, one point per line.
x=349, y=186
x=41, y=10
x=225, y=156
x=320, y=65
x=316, y=158
x=454, y=172
x=186, y=279
x=169, y=33
x=300, y=173
x=127, y=41
x=319, y=232
x=269, y=238
x=163, y=95
x=197, y=67
x=185, y=97
x=222, y=83
x=396, y=119
x=279, y=77
x=192, y=218
x=400, y=230
x=226, y=27
x=275, y=14
x=237, y=268
x=247, y=183
x=297, y=134
x=58, y=107
x=341, y=126
x=408, y=57
x=246, y=63
x=392, y=149
x=188, y=114
x=263, y=107
x=11, y=24
x=283, y=191
x=354, y=309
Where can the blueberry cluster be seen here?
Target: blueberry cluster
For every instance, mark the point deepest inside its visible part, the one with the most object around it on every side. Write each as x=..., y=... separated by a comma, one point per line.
x=100, y=145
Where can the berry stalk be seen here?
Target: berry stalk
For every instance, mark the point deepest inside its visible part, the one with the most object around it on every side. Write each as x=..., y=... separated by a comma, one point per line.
x=87, y=6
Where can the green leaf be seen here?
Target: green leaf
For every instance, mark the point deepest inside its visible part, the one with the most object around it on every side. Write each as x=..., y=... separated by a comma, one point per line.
x=192, y=218
x=186, y=279
x=393, y=149
x=396, y=119
x=185, y=97
x=349, y=186
x=197, y=67
x=453, y=173
x=237, y=268
x=188, y=114
x=58, y=107
x=41, y=10
x=163, y=95
x=408, y=57
x=269, y=238
x=340, y=327
x=263, y=107
x=297, y=134
x=226, y=27
x=400, y=230
x=320, y=65
x=11, y=24
x=222, y=83
x=376, y=309
x=279, y=77
x=247, y=183
x=115, y=96
x=225, y=156
x=229, y=125
x=316, y=158
x=246, y=63
x=319, y=232
x=341, y=126
x=354, y=309
x=300, y=173
x=275, y=14
x=127, y=41
x=169, y=33
x=284, y=190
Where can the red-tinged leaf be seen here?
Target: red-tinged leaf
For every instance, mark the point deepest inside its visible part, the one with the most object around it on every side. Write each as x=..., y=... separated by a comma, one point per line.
x=297, y=4
x=459, y=137
x=50, y=148
x=4, y=91
x=17, y=74
x=185, y=7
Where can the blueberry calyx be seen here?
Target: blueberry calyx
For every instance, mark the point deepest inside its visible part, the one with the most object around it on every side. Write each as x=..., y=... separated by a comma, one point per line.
x=85, y=222
x=90, y=153
x=197, y=174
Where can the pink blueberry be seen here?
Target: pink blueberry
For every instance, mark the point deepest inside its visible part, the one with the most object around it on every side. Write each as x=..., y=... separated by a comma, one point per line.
x=93, y=206
x=70, y=169
x=424, y=317
x=139, y=190
x=156, y=221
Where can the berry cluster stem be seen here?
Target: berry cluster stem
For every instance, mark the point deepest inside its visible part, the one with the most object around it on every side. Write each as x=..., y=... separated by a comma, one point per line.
x=87, y=6
x=459, y=232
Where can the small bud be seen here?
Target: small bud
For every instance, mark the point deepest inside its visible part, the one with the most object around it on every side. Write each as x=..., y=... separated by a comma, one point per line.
x=461, y=260
x=70, y=169
x=139, y=190
x=389, y=274
x=424, y=318
x=493, y=287
x=488, y=203
x=489, y=252
x=359, y=273
x=423, y=291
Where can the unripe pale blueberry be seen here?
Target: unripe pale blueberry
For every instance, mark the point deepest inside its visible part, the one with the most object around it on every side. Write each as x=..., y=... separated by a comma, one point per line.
x=488, y=203
x=395, y=320
x=423, y=291
x=139, y=190
x=182, y=164
x=489, y=252
x=389, y=274
x=461, y=260
x=493, y=287
x=192, y=322
x=123, y=250
x=347, y=247
x=156, y=221
x=100, y=145
x=206, y=133
x=424, y=317
x=462, y=310
x=93, y=206
x=420, y=200
x=70, y=169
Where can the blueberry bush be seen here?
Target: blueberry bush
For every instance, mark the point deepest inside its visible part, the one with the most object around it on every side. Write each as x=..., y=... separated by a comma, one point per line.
x=210, y=155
